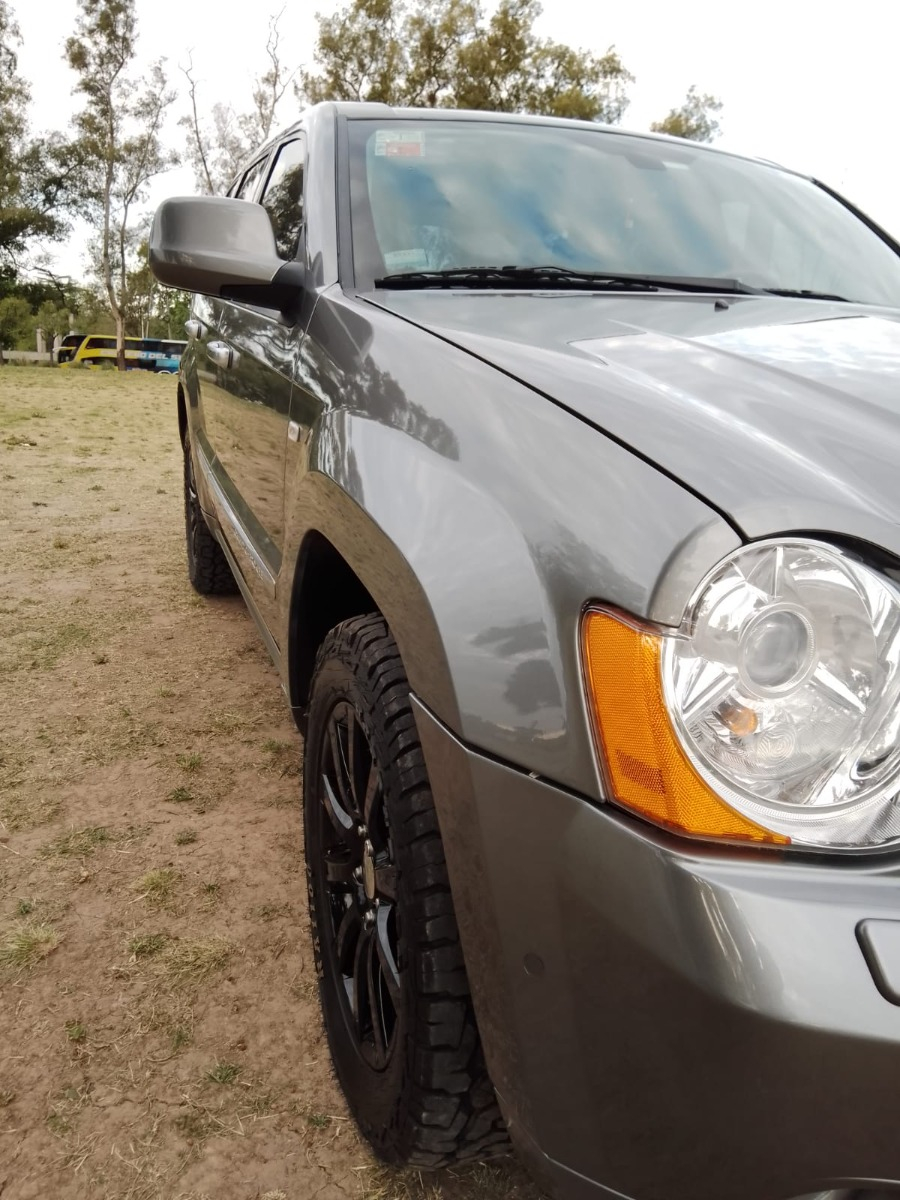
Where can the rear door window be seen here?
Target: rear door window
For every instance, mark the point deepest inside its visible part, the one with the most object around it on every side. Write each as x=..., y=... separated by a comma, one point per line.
x=250, y=182
x=283, y=197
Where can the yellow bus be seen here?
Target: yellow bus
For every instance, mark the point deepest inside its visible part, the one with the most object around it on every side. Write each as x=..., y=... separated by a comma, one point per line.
x=141, y=354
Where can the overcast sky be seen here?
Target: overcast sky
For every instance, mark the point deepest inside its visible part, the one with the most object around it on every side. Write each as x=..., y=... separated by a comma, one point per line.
x=807, y=83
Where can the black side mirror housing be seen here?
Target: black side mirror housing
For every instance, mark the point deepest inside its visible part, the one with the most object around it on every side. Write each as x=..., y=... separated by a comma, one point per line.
x=222, y=248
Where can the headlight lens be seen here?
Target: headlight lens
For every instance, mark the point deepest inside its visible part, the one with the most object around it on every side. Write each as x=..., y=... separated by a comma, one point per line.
x=774, y=712
x=784, y=690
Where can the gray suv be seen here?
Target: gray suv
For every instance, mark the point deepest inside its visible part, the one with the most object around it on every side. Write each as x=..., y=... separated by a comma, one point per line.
x=559, y=469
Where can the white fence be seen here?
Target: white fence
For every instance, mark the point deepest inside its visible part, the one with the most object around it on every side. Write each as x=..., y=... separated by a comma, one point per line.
x=26, y=356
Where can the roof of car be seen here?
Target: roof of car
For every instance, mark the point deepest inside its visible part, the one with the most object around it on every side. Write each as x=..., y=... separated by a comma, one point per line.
x=371, y=110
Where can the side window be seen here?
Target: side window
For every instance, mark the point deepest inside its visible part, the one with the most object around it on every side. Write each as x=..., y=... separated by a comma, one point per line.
x=247, y=190
x=283, y=197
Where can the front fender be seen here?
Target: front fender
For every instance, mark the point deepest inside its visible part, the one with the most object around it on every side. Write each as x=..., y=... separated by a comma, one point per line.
x=481, y=518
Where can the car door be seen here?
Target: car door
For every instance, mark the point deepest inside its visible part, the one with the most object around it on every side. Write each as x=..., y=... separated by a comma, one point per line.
x=252, y=352
x=207, y=380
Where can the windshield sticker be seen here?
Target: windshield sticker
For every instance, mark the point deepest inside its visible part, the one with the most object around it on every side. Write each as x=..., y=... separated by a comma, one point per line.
x=396, y=143
x=405, y=260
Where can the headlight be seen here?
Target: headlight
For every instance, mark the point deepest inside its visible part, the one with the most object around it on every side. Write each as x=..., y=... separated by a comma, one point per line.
x=773, y=714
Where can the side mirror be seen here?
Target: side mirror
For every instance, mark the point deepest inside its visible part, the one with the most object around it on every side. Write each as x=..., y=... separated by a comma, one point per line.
x=223, y=248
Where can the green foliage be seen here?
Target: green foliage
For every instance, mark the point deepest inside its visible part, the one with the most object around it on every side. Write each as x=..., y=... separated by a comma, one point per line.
x=695, y=119
x=448, y=54
x=152, y=310
x=15, y=322
x=32, y=172
x=53, y=318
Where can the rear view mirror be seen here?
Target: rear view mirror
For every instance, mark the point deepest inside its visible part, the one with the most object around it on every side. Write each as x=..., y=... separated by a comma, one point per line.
x=223, y=248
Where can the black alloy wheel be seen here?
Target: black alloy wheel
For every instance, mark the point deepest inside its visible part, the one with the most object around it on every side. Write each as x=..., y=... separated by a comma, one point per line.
x=392, y=981
x=361, y=885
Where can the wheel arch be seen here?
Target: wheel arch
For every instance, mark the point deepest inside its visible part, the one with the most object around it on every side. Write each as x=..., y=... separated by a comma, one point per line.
x=344, y=564
x=182, y=415
x=326, y=591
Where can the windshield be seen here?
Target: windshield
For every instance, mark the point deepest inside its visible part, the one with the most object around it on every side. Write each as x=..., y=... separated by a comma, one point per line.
x=434, y=195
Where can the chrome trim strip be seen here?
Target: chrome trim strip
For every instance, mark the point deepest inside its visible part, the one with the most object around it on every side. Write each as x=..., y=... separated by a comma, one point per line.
x=269, y=642
x=224, y=509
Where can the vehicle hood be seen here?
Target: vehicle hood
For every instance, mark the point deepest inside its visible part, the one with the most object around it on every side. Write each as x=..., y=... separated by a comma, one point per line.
x=783, y=414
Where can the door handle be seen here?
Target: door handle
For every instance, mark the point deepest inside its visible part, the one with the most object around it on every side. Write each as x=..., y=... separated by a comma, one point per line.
x=193, y=328
x=223, y=355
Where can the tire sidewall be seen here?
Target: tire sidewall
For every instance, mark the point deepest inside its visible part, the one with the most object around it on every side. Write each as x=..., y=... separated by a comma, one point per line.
x=192, y=514
x=375, y=1097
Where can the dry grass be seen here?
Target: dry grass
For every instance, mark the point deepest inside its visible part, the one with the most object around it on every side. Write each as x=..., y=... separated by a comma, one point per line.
x=23, y=946
x=157, y=990
x=158, y=886
x=190, y=963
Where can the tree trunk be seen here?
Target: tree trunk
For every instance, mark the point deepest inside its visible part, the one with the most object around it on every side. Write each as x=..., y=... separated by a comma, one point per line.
x=120, y=341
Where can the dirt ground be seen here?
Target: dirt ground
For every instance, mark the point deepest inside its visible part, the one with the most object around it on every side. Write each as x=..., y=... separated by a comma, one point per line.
x=159, y=1028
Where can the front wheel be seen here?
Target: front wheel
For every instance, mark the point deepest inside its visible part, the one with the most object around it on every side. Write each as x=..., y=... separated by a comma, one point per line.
x=392, y=983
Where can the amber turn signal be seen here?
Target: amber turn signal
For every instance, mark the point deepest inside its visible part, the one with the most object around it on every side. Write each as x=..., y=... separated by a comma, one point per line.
x=645, y=768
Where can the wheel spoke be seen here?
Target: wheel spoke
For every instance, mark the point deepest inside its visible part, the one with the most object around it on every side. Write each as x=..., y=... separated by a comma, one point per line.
x=359, y=996
x=342, y=821
x=373, y=789
x=389, y=968
x=376, y=1004
x=348, y=939
x=339, y=762
x=359, y=762
x=386, y=881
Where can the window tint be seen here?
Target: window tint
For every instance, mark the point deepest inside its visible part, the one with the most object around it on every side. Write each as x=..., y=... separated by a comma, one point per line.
x=283, y=198
x=101, y=343
x=248, y=188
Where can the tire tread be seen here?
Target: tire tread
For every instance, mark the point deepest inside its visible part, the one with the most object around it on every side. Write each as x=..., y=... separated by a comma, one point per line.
x=448, y=1112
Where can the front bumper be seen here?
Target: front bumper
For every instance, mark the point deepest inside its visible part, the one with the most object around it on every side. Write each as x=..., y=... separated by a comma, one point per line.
x=664, y=1020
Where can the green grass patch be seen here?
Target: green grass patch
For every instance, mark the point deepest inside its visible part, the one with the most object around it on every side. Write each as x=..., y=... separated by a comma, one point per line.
x=224, y=1073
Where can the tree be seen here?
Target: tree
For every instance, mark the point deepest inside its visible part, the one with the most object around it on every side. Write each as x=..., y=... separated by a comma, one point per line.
x=217, y=148
x=32, y=173
x=53, y=318
x=447, y=54
x=117, y=137
x=154, y=311
x=695, y=119
x=15, y=323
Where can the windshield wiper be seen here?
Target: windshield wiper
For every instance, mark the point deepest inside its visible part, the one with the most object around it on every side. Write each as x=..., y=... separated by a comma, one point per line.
x=504, y=277
x=805, y=294
x=561, y=277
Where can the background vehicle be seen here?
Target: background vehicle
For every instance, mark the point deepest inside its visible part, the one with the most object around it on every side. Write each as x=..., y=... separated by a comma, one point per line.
x=539, y=549
x=68, y=346
x=144, y=354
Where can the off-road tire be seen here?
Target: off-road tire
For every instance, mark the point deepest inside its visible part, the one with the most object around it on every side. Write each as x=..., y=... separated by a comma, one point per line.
x=208, y=568
x=431, y=1104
